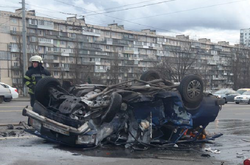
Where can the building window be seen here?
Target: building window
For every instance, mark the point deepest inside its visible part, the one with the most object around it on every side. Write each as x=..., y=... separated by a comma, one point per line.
x=62, y=42
x=16, y=73
x=56, y=73
x=73, y=35
x=41, y=22
x=14, y=55
x=55, y=57
x=15, y=63
x=56, y=65
x=14, y=38
x=14, y=80
x=14, y=29
x=31, y=31
x=14, y=20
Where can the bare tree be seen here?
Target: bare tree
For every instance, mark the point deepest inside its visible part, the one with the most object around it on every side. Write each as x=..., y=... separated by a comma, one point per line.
x=83, y=73
x=19, y=84
x=114, y=71
x=76, y=65
x=178, y=65
x=240, y=68
x=203, y=70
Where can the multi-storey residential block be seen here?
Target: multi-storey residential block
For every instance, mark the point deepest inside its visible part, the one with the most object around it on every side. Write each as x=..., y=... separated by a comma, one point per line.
x=245, y=37
x=79, y=52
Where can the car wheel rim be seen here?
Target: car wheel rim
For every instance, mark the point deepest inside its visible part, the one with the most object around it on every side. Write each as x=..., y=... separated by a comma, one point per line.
x=194, y=89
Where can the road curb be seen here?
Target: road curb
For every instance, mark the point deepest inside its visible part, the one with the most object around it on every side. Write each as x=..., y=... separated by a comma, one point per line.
x=21, y=99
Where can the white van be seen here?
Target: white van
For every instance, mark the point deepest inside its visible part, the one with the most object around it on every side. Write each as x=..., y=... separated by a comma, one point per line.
x=5, y=94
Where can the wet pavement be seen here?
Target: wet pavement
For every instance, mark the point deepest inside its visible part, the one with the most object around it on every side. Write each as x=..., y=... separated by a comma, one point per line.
x=235, y=143
x=234, y=146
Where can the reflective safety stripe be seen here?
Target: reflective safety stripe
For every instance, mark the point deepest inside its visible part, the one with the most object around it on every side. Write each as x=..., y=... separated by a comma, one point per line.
x=31, y=91
x=27, y=83
x=27, y=77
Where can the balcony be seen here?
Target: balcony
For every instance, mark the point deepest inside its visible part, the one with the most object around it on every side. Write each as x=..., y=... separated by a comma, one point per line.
x=90, y=34
x=53, y=53
x=88, y=63
x=13, y=32
x=211, y=63
x=65, y=69
x=55, y=69
x=218, y=78
x=100, y=70
x=32, y=26
x=15, y=67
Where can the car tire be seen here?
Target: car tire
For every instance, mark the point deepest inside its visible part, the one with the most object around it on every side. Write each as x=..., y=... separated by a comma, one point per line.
x=1, y=99
x=236, y=102
x=225, y=100
x=42, y=89
x=114, y=107
x=191, y=90
x=8, y=100
x=150, y=75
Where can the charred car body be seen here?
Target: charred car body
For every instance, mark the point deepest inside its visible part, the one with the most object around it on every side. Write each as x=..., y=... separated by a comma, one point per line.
x=146, y=112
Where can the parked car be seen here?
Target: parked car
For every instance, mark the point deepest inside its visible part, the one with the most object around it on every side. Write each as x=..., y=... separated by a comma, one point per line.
x=244, y=98
x=136, y=113
x=227, y=94
x=242, y=90
x=13, y=90
x=5, y=94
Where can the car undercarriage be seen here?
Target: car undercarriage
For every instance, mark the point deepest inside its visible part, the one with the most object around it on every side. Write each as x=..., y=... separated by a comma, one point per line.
x=150, y=112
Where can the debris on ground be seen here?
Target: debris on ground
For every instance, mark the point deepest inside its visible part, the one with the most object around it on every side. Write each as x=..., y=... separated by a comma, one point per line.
x=206, y=155
x=13, y=130
x=10, y=126
x=213, y=151
x=240, y=155
x=246, y=140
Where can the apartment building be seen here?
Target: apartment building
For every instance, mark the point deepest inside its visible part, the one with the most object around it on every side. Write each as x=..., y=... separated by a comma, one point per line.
x=245, y=37
x=79, y=52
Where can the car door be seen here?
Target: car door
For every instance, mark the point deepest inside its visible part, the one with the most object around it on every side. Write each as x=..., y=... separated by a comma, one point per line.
x=231, y=95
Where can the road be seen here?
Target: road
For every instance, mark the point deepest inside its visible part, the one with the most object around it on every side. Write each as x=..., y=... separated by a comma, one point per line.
x=11, y=112
x=233, y=121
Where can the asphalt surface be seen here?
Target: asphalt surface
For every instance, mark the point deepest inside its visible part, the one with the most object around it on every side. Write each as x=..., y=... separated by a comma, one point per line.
x=20, y=148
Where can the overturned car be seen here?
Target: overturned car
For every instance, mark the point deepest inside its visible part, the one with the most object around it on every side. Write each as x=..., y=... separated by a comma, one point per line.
x=146, y=112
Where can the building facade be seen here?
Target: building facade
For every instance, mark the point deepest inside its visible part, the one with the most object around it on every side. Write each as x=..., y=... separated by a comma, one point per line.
x=245, y=37
x=79, y=52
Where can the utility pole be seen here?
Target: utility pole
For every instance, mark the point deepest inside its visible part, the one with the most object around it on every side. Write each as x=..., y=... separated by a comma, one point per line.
x=24, y=44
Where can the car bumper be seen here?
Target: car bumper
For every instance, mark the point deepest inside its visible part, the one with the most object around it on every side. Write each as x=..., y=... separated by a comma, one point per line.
x=15, y=95
x=241, y=100
x=8, y=96
x=58, y=132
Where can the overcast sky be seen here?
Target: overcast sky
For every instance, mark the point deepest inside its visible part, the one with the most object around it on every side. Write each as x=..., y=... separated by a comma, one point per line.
x=218, y=20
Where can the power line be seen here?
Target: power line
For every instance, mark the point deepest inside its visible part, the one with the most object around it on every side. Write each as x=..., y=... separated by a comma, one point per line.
x=131, y=8
x=55, y=11
x=197, y=8
x=119, y=18
x=9, y=6
x=121, y=6
x=71, y=5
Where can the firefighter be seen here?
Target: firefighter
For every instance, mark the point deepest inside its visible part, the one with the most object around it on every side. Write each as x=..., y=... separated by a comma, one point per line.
x=33, y=75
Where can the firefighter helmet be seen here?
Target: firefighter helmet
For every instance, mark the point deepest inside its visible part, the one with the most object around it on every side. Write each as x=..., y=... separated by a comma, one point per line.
x=36, y=58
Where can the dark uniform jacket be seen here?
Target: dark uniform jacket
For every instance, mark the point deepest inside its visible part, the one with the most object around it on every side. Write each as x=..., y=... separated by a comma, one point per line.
x=33, y=75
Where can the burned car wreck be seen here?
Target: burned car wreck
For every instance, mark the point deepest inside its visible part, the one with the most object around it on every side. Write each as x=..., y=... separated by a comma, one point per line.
x=148, y=112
